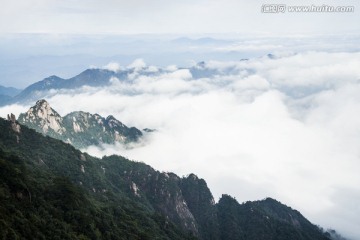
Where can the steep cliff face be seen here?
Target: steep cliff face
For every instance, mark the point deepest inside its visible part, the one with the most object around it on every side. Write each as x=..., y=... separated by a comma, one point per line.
x=81, y=129
x=163, y=191
x=157, y=190
x=202, y=204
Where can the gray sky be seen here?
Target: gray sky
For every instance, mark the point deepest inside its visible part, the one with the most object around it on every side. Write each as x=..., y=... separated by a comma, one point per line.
x=160, y=16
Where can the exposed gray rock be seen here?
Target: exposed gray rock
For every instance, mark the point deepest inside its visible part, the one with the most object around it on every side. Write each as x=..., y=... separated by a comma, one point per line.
x=81, y=129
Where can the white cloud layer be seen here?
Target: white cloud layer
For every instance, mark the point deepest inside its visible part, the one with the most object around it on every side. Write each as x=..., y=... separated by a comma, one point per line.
x=138, y=64
x=112, y=66
x=285, y=127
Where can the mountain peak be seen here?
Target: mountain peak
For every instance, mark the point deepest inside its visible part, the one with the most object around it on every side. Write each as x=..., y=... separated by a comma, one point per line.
x=113, y=122
x=43, y=110
x=43, y=118
x=52, y=77
x=42, y=103
x=110, y=117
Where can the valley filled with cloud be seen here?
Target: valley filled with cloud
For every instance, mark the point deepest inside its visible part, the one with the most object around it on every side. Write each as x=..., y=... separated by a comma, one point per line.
x=257, y=99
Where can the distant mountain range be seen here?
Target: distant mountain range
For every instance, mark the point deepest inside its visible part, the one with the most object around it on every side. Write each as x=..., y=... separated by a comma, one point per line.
x=50, y=190
x=81, y=129
x=94, y=77
x=9, y=91
x=90, y=77
x=6, y=93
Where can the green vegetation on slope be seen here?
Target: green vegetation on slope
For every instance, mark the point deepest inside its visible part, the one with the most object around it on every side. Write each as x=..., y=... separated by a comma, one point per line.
x=50, y=190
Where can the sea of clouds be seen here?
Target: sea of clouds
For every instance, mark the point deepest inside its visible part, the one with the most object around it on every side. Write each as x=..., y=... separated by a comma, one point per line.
x=285, y=126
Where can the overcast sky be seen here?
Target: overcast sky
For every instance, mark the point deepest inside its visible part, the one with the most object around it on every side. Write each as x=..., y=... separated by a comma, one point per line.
x=160, y=16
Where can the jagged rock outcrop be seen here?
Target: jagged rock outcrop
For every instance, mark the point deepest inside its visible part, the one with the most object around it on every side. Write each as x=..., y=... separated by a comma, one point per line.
x=14, y=126
x=44, y=119
x=81, y=129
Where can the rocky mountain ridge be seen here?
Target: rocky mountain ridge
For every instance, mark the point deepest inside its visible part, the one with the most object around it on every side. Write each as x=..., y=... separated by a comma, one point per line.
x=81, y=129
x=82, y=197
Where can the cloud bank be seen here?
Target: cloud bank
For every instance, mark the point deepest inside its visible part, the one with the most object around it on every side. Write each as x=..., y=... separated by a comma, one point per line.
x=281, y=126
